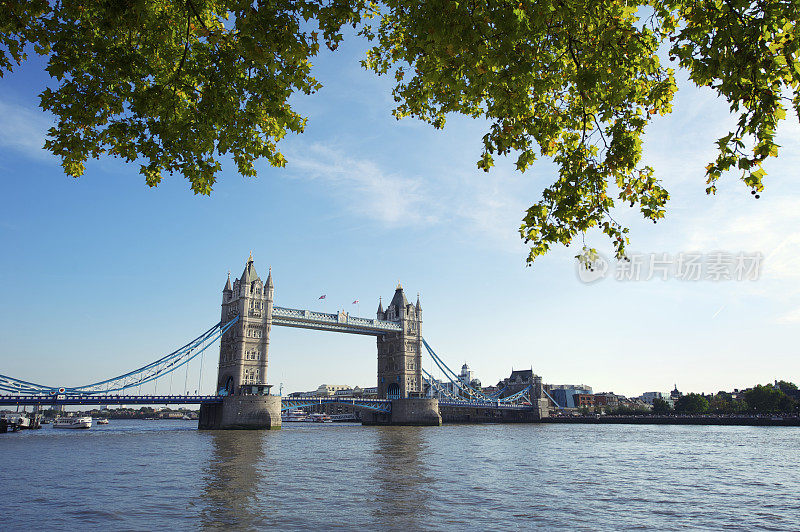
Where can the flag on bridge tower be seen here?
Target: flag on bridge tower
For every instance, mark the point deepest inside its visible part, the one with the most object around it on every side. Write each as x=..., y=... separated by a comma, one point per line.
x=322, y=296
x=355, y=302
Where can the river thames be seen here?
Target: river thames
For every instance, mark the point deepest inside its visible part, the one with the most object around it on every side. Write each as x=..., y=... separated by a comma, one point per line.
x=145, y=475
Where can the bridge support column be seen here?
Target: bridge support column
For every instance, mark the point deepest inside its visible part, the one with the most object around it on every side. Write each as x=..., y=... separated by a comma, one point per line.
x=242, y=412
x=411, y=411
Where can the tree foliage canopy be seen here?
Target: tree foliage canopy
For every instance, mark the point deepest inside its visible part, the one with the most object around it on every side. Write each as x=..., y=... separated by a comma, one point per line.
x=691, y=403
x=768, y=399
x=178, y=84
x=660, y=406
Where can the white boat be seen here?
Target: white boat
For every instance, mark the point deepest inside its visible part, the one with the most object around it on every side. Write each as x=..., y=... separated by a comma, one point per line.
x=18, y=420
x=102, y=421
x=321, y=418
x=294, y=415
x=84, y=422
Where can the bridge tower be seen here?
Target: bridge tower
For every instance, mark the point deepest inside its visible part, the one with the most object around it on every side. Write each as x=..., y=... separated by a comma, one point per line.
x=400, y=354
x=244, y=348
x=243, y=355
x=400, y=367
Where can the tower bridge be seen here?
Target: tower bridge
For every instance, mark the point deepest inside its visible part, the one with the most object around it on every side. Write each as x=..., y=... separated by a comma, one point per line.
x=242, y=397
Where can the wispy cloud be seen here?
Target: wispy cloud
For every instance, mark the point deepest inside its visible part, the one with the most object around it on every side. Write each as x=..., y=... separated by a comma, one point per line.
x=365, y=188
x=790, y=317
x=486, y=208
x=771, y=229
x=492, y=205
x=24, y=130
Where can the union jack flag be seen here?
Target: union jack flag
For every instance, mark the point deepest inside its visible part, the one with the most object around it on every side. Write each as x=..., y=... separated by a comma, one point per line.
x=322, y=296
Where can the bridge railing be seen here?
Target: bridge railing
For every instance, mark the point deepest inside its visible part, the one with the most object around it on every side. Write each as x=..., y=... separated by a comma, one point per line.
x=485, y=404
x=300, y=316
x=380, y=405
x=48, y=400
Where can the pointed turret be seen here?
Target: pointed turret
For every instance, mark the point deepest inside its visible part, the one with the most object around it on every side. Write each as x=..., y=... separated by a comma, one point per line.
x=228, y=284
x=380, y=305
x=249, y=274
x=269, y=279
x=418, y=305
x=399, y=300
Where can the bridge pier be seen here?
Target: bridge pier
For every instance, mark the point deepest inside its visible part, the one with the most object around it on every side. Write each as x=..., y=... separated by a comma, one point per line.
x=411, y=411
x=242, y=412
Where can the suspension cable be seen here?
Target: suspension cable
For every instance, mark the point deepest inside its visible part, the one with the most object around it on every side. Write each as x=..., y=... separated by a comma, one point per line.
x=186, y=381
x=150, y=372
x=200, y=378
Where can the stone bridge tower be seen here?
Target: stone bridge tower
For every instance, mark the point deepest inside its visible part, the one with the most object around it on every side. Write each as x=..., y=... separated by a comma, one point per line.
x=243, y=354
x=400, y=354
x=244, y=348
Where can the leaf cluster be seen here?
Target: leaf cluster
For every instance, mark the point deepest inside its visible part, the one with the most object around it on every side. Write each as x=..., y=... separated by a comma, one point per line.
x=578, y=81
x=177, y=84
x=173, y=84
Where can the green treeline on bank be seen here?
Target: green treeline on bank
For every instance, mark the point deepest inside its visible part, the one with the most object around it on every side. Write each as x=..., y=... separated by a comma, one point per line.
x=781, y=398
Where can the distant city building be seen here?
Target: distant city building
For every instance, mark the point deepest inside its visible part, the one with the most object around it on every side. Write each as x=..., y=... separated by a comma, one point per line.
x=564, y=394
x=519, y=377
x=372, y=391
x=568, y=387
x=331, y=389
x=675, y=394
x=466, y=375
x=648, y=397
x=583, y=400
x=336, y=390
x=606, y=399
x=636, y=402
x=518, y=381
x=490, y=390
x=348, y=392
x=446, y=388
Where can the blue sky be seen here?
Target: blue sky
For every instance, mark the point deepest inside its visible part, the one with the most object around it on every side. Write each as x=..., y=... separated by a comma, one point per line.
x=103, y=274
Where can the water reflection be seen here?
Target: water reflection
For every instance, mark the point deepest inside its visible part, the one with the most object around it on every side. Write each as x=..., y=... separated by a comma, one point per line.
x=232, y=479
x=403, y=478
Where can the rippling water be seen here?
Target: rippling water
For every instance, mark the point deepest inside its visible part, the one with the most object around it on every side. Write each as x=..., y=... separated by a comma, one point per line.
x=142, y=475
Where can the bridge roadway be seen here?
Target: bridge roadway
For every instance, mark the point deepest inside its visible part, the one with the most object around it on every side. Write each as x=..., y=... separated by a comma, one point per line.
x=71, y=400
x=341, y=322
x=381, y=405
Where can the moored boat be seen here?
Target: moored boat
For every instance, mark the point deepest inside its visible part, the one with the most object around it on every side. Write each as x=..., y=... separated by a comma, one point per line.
x=321, y=418
x=83, y=422
x=17, y=421
x=294, y=416
x=102, y=421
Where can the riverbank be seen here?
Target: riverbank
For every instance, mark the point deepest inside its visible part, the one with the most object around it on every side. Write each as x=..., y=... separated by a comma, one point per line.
x=757, y=421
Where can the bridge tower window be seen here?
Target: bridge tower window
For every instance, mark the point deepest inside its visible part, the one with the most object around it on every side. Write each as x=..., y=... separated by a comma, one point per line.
x=393, y=391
